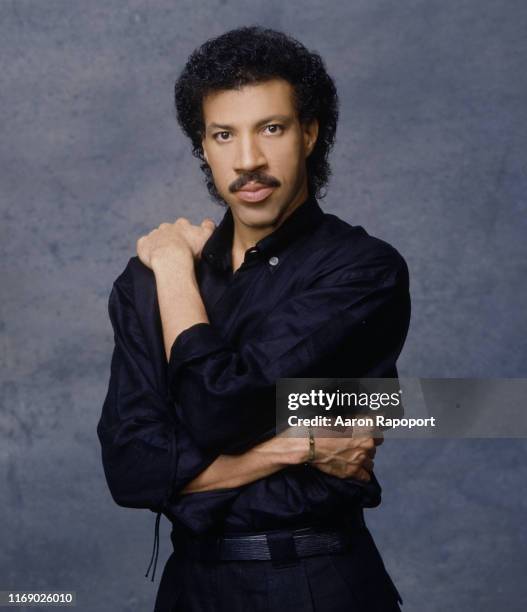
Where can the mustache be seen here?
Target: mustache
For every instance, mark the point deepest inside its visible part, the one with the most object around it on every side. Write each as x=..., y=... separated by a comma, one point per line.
x=257, y=177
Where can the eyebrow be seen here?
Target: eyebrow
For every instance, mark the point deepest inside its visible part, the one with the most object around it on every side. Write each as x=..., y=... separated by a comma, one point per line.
x=219, y=126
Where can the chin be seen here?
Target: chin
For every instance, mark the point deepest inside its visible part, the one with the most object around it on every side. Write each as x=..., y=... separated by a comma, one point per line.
x=257, y=216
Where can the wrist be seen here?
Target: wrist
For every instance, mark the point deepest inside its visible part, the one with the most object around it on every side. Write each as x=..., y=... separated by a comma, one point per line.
x=285, y=451
x=299, y=447
x=173, y=261
x=311, y=442
x=299, y=450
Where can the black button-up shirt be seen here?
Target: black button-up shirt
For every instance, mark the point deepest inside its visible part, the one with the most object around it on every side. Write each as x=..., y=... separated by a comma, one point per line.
x=317, y=297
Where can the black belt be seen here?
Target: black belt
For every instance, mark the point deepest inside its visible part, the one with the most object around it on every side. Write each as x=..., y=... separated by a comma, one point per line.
x=282, y=547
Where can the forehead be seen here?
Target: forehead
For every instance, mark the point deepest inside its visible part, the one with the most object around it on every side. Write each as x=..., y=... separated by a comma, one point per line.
x=249, y=103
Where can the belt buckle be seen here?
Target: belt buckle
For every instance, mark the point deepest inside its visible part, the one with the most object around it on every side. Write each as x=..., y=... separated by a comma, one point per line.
x=282, y=549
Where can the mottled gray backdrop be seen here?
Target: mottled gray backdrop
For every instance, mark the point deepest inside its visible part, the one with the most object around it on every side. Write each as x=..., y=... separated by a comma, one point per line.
x=431, y=156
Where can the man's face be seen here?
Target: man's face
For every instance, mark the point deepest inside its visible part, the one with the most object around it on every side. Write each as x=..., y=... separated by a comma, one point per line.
x=256, y=149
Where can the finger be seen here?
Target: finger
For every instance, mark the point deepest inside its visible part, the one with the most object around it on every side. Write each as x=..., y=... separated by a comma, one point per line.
x=363, y=475
x=367, y=444
x=182, y=221
x=371, y=452
x=359, y=459
x=208, y=223
x=368, y=464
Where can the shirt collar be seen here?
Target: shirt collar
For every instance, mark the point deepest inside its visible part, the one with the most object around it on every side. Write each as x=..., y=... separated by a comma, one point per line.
x=217, y=249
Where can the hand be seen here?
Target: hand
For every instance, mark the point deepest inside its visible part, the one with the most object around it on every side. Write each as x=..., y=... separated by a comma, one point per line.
x=179, y=239
x=348, y=457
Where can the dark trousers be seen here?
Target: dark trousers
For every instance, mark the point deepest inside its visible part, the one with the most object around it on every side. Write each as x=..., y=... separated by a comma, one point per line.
x=354, y=581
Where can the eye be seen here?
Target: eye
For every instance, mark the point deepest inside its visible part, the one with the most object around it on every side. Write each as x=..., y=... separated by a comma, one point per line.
x=274, y=128
x=221, y=136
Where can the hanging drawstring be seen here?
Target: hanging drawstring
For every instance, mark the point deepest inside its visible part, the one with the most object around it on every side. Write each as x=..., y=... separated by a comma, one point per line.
x=174, y=460
x=155, y=549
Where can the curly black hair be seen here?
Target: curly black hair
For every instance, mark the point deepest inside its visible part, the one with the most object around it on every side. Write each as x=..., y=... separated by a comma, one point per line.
x=254, y=54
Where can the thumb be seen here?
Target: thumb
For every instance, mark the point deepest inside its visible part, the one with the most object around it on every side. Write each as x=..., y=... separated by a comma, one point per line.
x=208, y=223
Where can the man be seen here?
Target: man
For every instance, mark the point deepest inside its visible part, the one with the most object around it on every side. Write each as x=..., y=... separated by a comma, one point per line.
x=207, y=318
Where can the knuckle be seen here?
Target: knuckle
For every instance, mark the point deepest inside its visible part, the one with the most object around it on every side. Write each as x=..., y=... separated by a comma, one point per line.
x=352, y=470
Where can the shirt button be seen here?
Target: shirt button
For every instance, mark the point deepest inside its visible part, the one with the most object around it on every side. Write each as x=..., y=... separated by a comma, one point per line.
x=251, y=253
x=273, y=261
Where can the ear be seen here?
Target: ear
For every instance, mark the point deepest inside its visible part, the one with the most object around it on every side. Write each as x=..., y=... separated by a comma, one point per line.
x=310, y=136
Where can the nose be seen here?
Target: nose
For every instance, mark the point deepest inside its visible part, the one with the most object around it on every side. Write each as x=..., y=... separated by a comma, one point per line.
x=249, y=156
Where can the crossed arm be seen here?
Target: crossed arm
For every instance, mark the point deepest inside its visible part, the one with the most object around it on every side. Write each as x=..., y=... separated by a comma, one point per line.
x=156, y=447
x=181, y=307
x=341, y=457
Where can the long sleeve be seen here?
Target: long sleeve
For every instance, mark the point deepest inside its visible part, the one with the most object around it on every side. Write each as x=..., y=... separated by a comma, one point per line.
x=148, y=457
x=350, y=320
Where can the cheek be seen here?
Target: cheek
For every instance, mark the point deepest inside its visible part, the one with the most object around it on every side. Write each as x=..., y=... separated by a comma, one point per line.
x=285, y=149
x=287, y=161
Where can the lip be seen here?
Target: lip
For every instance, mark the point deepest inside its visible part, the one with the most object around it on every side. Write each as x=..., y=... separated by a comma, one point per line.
x=254, y=192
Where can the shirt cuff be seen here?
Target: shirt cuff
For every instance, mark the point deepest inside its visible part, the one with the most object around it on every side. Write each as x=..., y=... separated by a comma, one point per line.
x=193, y=343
